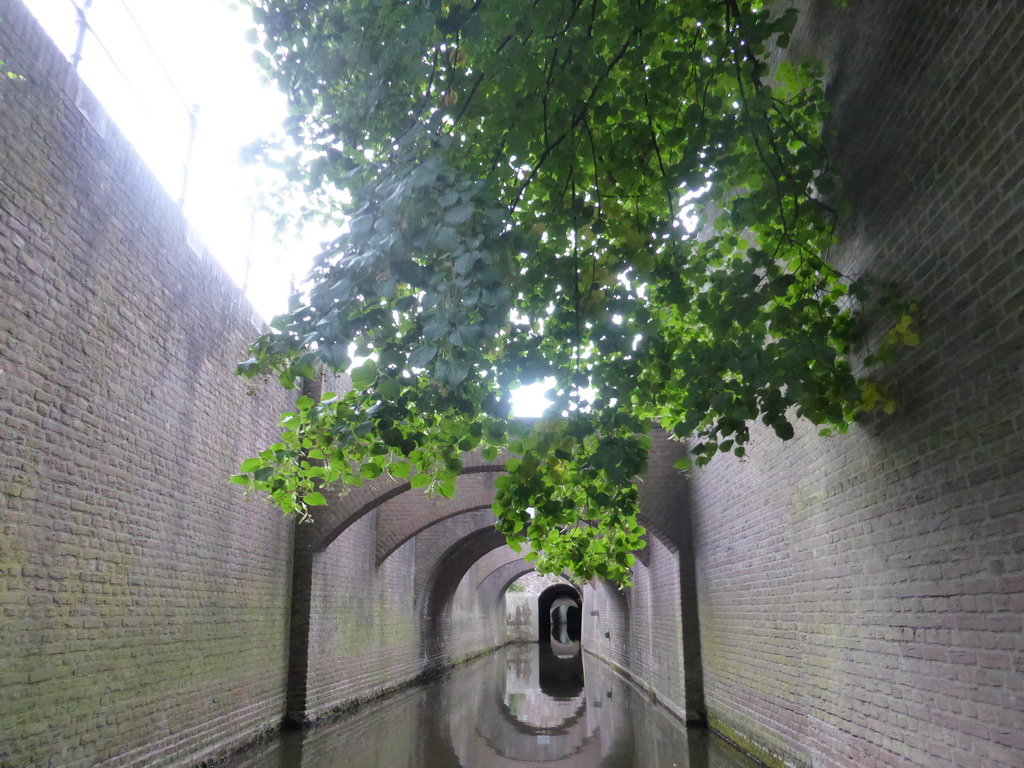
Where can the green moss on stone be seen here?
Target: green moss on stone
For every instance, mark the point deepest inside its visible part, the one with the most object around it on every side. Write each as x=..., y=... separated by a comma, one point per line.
x=753, y=749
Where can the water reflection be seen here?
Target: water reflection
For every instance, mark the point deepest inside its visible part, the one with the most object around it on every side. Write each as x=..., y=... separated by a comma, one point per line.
x=525, y=705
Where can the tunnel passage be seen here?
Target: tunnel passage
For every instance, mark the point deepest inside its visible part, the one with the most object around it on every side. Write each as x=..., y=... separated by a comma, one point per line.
x=559, y=610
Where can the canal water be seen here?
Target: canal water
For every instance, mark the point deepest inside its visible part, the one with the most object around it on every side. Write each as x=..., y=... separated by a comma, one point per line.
x=524, y=705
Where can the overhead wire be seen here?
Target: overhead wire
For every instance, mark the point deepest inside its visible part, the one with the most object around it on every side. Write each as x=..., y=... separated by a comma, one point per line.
x=156, y=57
x=190, y=109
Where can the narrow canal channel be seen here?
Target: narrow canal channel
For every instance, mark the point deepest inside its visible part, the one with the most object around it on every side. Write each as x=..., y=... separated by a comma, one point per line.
x=524, y=705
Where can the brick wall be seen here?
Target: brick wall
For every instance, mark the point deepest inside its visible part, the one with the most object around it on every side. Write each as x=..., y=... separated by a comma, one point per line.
x=375, y=628
x=656, y=633
x=142, y=596
x=652, y=627
x=645, y=629
x=606, y=627
x=476, y=619
x=365, y=637
x=861, y=598
x=521, y=617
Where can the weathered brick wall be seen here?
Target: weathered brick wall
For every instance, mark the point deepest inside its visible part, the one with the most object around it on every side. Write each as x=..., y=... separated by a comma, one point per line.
x=477, y=619
x=861, y=598
x=606, y=628
x=368, y=632
x=653, y=628
x=367, y=629
x=644, y=626
x=143, y=598
x=656, y=633
x=364, y=637
x=521, y=617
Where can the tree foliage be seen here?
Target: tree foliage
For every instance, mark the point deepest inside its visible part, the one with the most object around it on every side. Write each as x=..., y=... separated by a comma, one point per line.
x=515, y=179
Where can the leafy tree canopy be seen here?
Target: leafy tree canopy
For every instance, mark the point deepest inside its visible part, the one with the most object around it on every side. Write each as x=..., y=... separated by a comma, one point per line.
x=515, y=179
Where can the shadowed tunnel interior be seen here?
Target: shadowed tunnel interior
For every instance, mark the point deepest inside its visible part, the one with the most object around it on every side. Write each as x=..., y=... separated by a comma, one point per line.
x=559, y=612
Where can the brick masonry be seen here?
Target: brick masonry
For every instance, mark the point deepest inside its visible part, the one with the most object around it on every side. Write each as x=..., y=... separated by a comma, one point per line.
x=851, y=601
x=861, y=597
x=142, y=595
x=152, y=615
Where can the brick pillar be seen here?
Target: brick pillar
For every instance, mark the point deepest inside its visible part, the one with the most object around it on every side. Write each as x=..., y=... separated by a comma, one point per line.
x=298, y=630
x=693, y=666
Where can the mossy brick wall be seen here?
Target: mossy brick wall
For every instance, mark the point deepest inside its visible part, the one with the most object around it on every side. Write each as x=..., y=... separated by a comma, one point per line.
x=862, y=597
x=143, y=598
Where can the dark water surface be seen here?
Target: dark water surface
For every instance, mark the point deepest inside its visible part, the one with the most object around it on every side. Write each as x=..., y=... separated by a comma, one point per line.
x=521, y=706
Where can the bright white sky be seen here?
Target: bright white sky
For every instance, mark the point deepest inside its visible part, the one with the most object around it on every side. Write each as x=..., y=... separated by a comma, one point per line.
x=201, y=45
x=167, y=56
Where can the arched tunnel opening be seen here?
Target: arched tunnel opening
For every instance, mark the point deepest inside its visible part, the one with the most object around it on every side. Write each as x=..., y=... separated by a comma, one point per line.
x=560, y=615
x=559, y=609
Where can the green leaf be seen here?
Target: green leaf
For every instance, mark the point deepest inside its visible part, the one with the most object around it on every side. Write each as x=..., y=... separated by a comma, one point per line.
x=447, y=488
x=421, y=356
x=364, y=376
x=248, y=368
x=370, y=470
x=783, y=429
x=459, y=214
x=314, y=499
x=250, y=465
x=452, y=372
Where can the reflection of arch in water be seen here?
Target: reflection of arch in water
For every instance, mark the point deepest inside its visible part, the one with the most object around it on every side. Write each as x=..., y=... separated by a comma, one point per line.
x=497, y=716
x=561, y=672
x=538, y=717
x=540, y=692
x=559, y=610
x=577, y=709
x=564, y=650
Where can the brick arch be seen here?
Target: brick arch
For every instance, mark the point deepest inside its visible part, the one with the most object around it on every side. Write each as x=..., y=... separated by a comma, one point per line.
x=346, y=506
x=495, y=560
x=662, y=490
x=435, y=544
x=439, y=588
x=495, y=583
x=401, y=517
x=388, y=542
x=436, y=527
